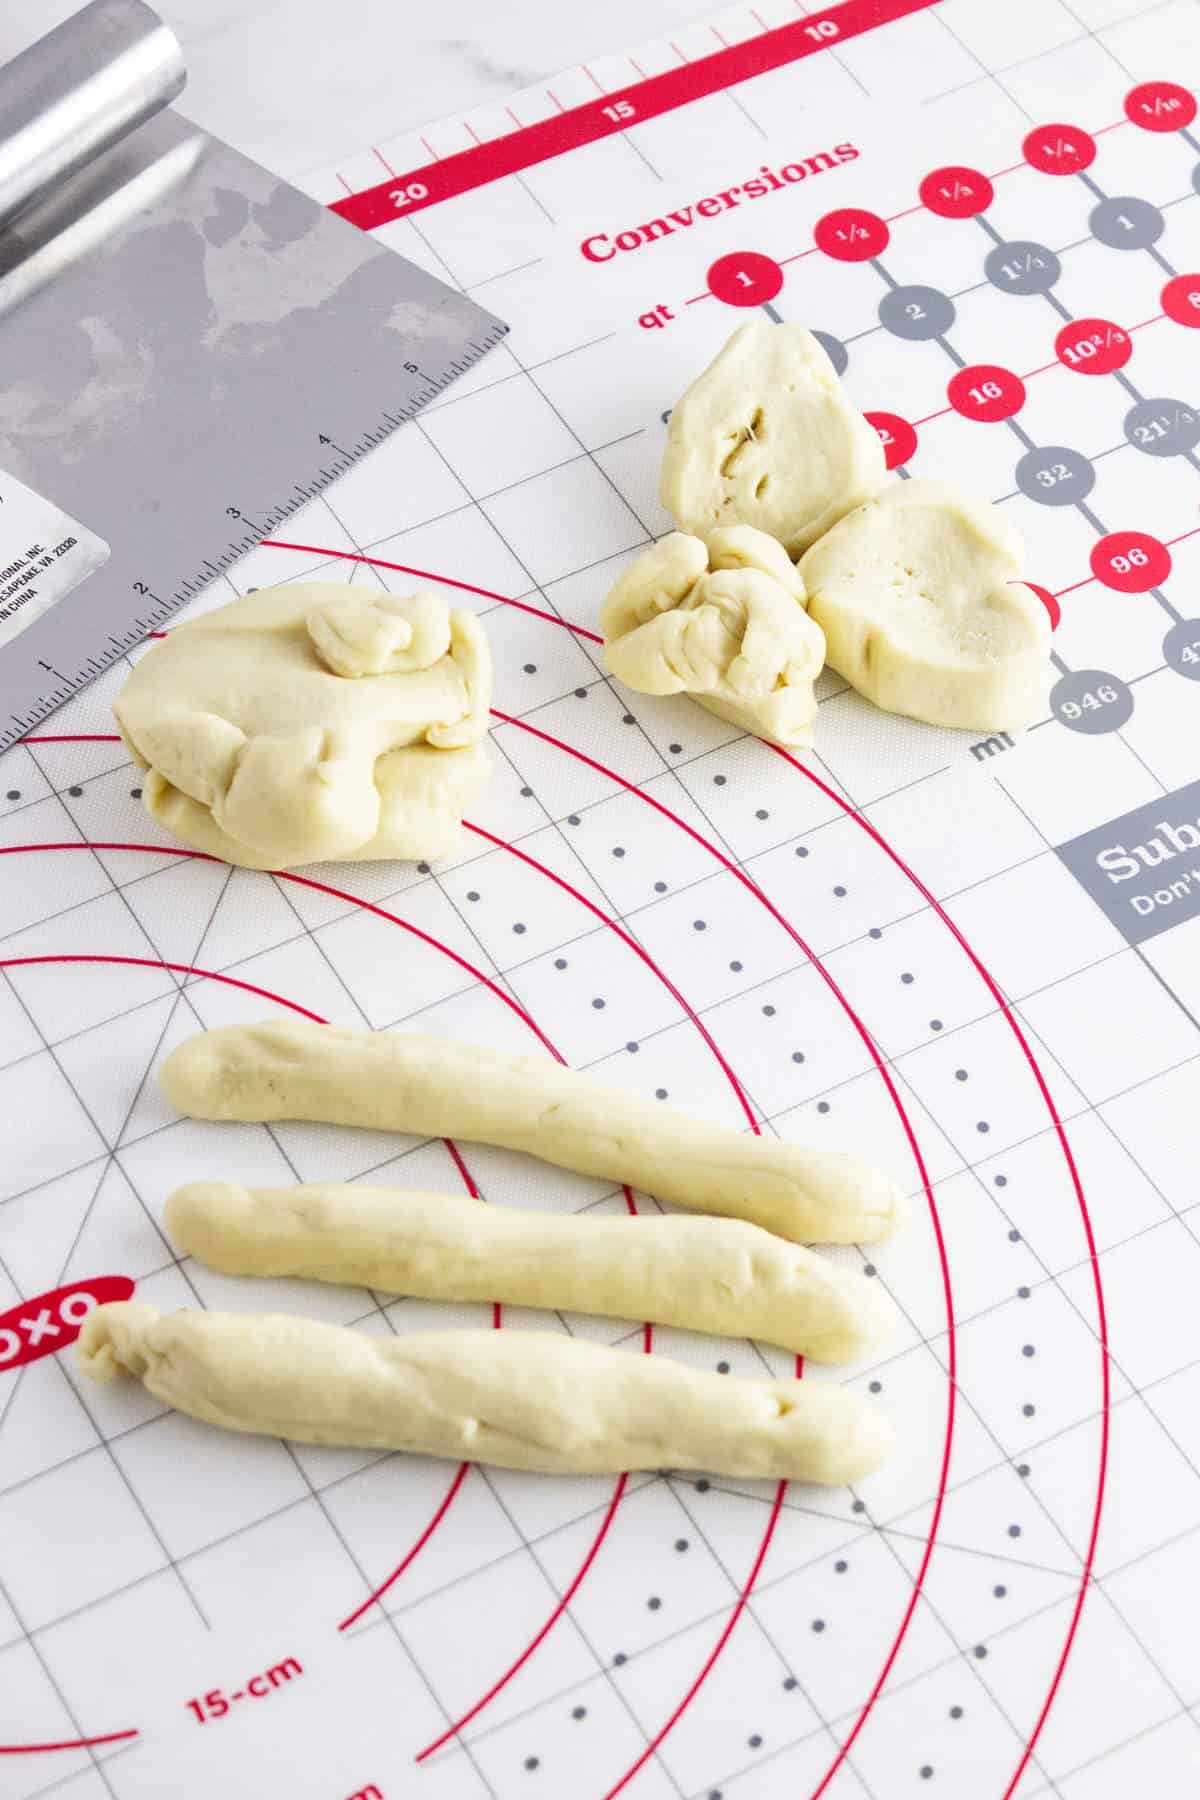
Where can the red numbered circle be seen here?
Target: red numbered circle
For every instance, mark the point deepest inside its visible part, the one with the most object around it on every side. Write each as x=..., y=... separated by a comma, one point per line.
x=745, y=278
x=986, y=393
x=955, y=193
x=897, y=436
x=1059, y=149
x=1180, y=300
x=1130, y=561
x=1093, y=346
x=1048, y=601
x=850, y=235
x=1160, y=106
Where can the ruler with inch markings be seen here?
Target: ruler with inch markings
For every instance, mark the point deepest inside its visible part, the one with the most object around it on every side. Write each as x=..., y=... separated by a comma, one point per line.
x=190, y=351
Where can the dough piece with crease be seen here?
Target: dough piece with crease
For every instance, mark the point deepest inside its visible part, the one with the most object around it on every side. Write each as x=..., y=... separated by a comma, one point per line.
x=918, y=597
x=433, y=1087
x=514, y=1399
x=766, y=437
x=720, y=1276
x=313, y=723
x=724, y=622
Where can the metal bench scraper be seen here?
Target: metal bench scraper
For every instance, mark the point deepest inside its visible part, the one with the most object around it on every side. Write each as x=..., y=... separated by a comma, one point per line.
x=190, y=349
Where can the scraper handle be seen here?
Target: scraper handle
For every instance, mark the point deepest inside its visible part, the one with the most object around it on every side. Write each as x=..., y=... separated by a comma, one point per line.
x=77, y=91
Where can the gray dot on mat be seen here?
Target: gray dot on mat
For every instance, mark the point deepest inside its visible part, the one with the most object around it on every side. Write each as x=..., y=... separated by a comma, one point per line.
x=519, y=929
x=790, y=1682
x=818, y=1624
x=1000, y=1591
x=722, y=1368
x=960, y=1074
x=840, y=893
x=598, y=1004
x=1022, y=1469
x=736, y=967
x=822, y=1106
x=618, y=850
x=572, y=818
x=15, y=793
x=531, y=1762
x=1124, y=222
x=1026, y=1349
x=581, y=693
x=980, y=1651
x=1014, y=1531
x=1022, y=1293
x=834, y=349
x=423, y=868
x=935, y=1025
x=681, y=1543
x=768, y=1012
x=1022, y=267
x=925, y=1771
x=619, y=1658
x=801, y=850
x=1053, y=475
x=839, y=1568
x=956, y=1712
x=675, y=749
x=579, y=1712
x=654, y=1603
x=703, y=1485
x=628, y=719
x=916, y=313
x=1002, y=1181
x=755, y=1742
x=1163, y=427
x=1028, y=1410
x=868, y=1269
x=762, y=813
x=858, y=1506
x=560, y=962
x=982, y=1125
x=876, y=1387
x=797, y=1056
x=874, y=932
x=660, y=887
x=531, y=668
x=718, y=781
x=75, y=792
x=472, y=895
x=660, y=1093
x=699, y=925
x=631, y=1047
x=907, y=979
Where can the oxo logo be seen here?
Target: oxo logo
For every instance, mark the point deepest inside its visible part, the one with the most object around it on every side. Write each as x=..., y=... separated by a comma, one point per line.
x=40, y=1327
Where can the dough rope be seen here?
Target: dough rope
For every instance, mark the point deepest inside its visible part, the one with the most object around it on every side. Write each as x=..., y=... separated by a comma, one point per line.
x=308, y=723
x=493, y=1397
x=714, y=1275
x=723, y=622
x=433, y=1087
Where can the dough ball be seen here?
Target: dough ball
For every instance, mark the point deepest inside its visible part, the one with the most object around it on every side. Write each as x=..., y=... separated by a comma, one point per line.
x=313, y=723
x=917, y=595
x=723, y=621
x=766, y=437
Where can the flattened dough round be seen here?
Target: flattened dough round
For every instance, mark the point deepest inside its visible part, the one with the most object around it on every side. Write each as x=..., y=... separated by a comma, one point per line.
x=917, y=595
x=766, y=437
x=312, y=723
x=724, y=622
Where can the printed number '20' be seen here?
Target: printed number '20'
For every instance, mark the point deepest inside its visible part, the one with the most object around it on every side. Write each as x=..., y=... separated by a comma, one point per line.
x=404, y=196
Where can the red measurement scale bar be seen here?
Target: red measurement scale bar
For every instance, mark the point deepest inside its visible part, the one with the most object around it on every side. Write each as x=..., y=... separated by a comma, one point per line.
x=418, y=188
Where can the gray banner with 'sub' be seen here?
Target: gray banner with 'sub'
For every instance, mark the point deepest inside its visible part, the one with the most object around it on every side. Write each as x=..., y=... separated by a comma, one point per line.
x=1143, y=869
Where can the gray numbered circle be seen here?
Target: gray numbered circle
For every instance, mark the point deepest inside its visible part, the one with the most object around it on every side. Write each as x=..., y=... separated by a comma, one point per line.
x=1181, y=648
x=1022, y=267
x=834, y=349
x=1053, y=475
x=916, y=313
x=1163, y=427
x=1091, y=701
x=1126, y=223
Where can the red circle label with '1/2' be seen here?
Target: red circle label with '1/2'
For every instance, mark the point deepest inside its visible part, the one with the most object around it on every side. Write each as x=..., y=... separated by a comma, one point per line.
x=986, y=392
x=1131, y=562
x=1093, y=346
x=851, y=235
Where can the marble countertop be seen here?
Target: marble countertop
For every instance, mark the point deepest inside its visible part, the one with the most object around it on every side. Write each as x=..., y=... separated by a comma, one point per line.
x=294, y=83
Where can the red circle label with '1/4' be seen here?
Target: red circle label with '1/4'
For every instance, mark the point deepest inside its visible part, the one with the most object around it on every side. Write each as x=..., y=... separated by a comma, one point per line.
x=851, y=235
x=1160, y=106
x=1131, y=562
x=1059, y=149
x=745, y=278
x=1093, y=346
x=986, y=392
x=897, y=436
x=956, y=193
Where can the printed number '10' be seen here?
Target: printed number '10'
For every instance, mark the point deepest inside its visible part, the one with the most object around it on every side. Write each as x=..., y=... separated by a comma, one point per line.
x=823, y=29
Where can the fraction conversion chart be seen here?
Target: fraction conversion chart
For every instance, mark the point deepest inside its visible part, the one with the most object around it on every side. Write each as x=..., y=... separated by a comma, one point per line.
x=973, y=959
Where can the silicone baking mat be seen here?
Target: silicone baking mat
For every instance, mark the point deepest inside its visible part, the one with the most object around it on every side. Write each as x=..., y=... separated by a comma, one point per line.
x=976, y=961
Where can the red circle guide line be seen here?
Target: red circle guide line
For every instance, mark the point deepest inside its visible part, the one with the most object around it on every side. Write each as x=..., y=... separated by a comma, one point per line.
x=87, y=1743
x=907, y=1126
x=1011, y=1021
x=609, y=114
